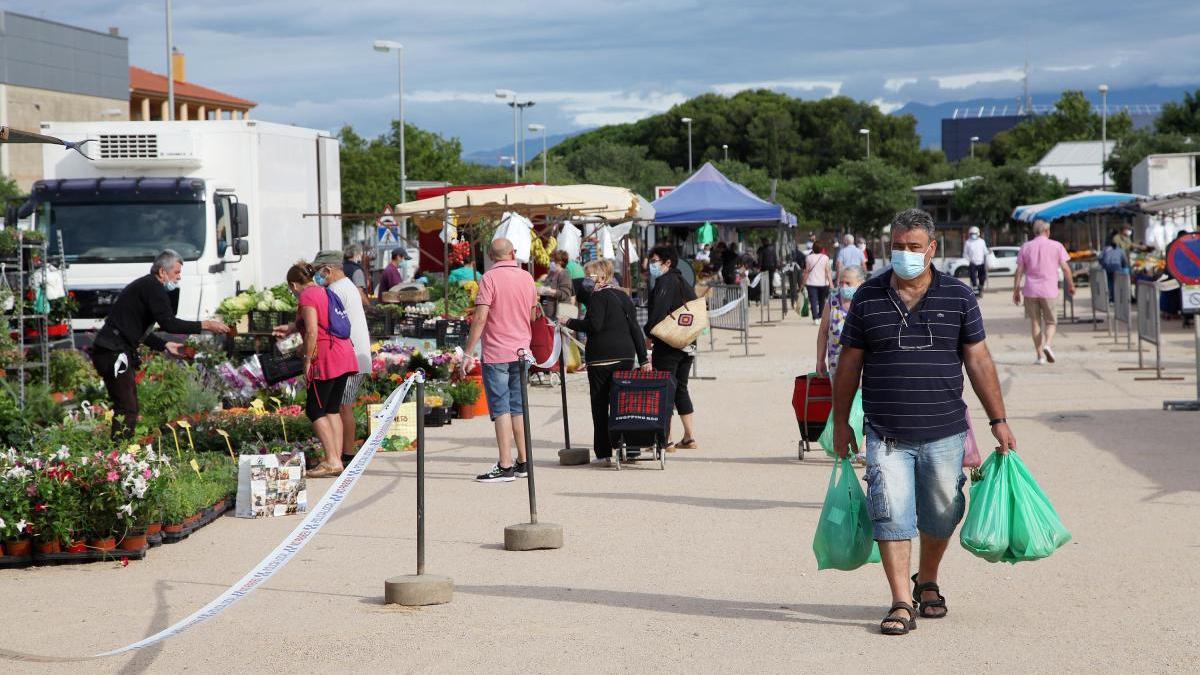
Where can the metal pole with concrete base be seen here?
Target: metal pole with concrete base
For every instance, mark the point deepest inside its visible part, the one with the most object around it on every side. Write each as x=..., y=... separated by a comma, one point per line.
x=413, y=590
x=1190, y=405
x=533, y=535
x=567, y=456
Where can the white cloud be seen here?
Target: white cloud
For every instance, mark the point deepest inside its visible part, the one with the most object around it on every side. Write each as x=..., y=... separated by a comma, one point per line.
x=1068, y=69
x=895, y=84
x=970, y=79
x=584, y=108
x=730, y=88
x=886, y=107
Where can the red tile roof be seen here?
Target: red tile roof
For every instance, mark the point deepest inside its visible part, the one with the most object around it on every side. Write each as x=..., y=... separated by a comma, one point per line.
x=143, y=80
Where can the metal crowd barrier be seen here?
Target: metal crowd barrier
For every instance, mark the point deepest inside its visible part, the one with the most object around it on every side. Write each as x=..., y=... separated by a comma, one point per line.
x=1123, y=309
x=1098, y=281
x=1148, y=329
x=729, y=309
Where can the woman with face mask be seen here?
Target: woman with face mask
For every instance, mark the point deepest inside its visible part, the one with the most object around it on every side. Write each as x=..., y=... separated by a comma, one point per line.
x=328, y=361
x=556, y=288
x=829, y=335
x=671, y=292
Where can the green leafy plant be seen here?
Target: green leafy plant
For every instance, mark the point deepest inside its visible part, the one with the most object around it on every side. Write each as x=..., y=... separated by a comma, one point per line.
x=70, y=370
x=465, y=392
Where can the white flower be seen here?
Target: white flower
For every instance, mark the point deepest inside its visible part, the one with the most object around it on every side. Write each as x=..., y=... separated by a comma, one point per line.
x=125, y=510
x=63, y=453
x=21, y=525
x=83, y=460
x=17, y=472
x=137, y=486
x=2, y=524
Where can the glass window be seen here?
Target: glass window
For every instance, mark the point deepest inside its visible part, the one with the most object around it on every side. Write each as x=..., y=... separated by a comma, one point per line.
x=224, y=209
x=1005, y=253
x=116, y=232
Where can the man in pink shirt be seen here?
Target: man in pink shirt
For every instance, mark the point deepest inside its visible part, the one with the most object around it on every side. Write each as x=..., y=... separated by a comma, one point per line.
x=1038, y=264
x=504, y=308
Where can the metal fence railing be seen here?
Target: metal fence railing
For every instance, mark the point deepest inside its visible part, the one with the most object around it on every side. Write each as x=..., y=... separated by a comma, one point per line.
x=1148, y=329
x=729, y=309
x=1123, y=308
x=1098, y=282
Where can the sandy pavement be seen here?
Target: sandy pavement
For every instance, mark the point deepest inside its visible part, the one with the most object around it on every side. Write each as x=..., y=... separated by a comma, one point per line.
x=704, y=567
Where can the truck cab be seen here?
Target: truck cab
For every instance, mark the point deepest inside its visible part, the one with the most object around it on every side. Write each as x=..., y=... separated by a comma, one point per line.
x=111, y=229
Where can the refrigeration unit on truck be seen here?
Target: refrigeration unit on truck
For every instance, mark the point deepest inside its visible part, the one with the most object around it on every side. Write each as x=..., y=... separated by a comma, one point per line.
x=228, y=196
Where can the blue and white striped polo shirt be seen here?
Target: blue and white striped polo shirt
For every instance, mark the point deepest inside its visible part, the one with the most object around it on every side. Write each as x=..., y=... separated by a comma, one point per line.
x=912, y=379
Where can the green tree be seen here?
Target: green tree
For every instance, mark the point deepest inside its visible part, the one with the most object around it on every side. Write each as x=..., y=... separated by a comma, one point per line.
x=1136, y=146
x=9, y=189
x=1072, y=120
x=1182, y=117
x=990, y=199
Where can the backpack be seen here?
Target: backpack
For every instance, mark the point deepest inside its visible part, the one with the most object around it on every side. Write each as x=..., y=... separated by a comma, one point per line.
x=339, y=320
x=1113, y=259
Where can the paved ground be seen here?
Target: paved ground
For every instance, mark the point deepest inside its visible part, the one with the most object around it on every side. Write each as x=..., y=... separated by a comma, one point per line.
x=704, y=567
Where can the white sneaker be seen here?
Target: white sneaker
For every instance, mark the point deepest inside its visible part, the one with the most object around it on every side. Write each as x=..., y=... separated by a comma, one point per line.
x=1049, y=353
x=1041, y=361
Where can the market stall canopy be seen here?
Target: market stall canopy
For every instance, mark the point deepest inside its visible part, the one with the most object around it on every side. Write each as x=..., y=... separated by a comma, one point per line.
x=1073, y=205
x=1176, y=201
x=708, y=196
x=599, y=202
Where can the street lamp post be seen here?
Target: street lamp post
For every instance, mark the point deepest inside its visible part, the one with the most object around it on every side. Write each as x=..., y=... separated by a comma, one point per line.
x=688, y=122
x=867, y=133
x=170, y=68
x=542, y=128
x=974, y=140
x=725, y=147
x=386, y=46
x=506, y=94
x=1103, y=135
x=521, y=153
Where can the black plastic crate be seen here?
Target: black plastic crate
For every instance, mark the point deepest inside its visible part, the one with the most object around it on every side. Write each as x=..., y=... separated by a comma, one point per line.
x=378, y=324
x=410, y=326
x=263, y=322
x=452, y=332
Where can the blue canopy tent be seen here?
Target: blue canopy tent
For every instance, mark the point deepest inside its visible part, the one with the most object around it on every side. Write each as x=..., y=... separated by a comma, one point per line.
x=708, y=196
x=1073, y=205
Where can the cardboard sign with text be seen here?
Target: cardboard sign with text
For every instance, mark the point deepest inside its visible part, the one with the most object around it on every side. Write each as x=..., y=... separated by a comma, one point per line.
x=404, y=426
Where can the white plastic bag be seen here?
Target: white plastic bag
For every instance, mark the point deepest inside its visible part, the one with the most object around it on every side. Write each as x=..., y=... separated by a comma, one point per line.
x=52, y=277
x=605, y=243
x=570, y=239
x=517, y=229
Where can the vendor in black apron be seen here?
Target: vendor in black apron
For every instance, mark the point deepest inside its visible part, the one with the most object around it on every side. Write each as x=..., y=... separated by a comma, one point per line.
x=149, y=300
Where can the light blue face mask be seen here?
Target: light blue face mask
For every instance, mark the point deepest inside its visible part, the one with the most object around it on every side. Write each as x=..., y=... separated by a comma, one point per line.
x=171, y=286
x=908, y=265
x=847, y=292
x=319, y=279
x=655, y=270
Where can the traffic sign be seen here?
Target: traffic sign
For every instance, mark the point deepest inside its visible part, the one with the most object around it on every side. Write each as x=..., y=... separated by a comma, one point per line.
x=1191, y=299
x=385, y=227
x=1183, y=259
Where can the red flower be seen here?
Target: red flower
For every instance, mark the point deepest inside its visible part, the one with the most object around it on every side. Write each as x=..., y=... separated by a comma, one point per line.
x=39, y=507
x=124, y=561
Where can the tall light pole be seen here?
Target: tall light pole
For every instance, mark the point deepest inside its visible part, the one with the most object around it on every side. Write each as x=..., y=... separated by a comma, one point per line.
x=542, y=128
x=867, y=133
x=725, y=147
x=170, y=68
x=507, y=94
x=688, y=122
x=386, y=46
x=520, y=106
x=974, y=140
x=1103, y=135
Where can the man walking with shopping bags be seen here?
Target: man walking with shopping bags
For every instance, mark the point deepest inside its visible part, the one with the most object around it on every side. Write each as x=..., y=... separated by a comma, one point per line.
x=908, y=336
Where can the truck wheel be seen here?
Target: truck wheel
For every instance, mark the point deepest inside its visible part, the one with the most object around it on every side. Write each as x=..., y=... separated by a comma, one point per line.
x=962, y=272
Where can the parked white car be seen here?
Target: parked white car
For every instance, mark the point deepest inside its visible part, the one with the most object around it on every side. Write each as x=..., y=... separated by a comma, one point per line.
x=1001, y=262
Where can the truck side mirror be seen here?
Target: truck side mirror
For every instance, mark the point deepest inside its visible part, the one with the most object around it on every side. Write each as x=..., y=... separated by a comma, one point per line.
x=241, y=247
x=241, y=220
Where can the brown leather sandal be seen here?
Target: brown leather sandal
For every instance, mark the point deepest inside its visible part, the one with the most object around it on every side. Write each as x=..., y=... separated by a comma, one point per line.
x=922, y=605
x=894, y=625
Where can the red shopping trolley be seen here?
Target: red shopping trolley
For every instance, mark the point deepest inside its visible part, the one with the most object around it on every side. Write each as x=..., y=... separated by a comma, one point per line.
x=812, y=399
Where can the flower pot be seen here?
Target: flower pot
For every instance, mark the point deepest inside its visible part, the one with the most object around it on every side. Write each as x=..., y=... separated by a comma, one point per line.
x=58, y=330
x=18, y=548
x=190, y=520
x=48, y=547
x=480, y=406
x=77, y=547
x=105, y=544
x=466, y=412
x=1, y=550
x=153, y=529
x=133, y=542
x=173, y=528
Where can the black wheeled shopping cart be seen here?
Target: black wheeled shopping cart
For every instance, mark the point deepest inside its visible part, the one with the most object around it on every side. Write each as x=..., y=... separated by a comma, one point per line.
x=639, y=414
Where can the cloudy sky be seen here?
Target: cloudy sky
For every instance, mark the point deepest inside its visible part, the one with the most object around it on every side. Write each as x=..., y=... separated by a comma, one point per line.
x=591, y=62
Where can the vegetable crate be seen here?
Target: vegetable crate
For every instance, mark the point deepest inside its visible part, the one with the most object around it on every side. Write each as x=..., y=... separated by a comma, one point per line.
x=378, y=324
x=452, y=332
x=408, y=326
x=265, y=322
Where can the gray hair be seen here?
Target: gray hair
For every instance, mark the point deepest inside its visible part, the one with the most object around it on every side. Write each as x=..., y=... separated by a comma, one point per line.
x=165, y=259
x=847, y=239
x=352, y=251
x=913, y=219
x=1041, y=227
x=853, y=271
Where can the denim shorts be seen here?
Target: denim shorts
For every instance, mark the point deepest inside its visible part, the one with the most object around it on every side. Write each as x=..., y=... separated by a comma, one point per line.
x=502, y=385
x=914, y=486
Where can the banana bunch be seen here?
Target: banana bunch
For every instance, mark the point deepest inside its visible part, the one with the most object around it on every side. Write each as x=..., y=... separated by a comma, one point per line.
x=538, y=252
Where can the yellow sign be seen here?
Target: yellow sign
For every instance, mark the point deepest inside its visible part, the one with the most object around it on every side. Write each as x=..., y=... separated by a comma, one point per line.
x=195, y=466
x=405, y=423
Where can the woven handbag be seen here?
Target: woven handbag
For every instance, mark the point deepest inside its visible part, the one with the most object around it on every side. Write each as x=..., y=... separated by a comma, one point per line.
x=681, y=327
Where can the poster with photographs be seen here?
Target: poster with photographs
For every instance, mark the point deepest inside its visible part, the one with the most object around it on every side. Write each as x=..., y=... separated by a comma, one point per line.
x=271, y=485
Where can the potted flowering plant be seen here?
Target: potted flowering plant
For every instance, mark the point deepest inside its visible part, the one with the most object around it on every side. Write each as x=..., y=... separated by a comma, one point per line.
x=466, y=395
x=56, y=502
x=16, y=478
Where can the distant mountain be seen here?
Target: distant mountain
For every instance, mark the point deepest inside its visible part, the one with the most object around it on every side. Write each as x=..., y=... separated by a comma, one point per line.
x=533, y=146
x=929, y=117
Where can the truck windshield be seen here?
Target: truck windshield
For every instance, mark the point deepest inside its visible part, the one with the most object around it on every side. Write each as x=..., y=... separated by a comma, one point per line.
x=115, y=232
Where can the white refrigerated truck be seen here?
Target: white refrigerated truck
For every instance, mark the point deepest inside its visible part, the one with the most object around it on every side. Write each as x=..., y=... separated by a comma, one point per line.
x=229, y=196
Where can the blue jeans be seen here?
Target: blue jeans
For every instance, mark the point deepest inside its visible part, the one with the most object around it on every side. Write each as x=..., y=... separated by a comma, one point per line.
x=915, y=486
x=502, y=385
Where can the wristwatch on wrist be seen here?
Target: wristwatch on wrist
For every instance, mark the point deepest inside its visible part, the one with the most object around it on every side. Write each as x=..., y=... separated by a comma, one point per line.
x=998, y=420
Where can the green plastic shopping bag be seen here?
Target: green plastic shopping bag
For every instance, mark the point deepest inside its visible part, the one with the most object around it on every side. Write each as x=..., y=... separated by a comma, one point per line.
x=856, y=423
x=843, y=538
x=985, y=532
x=1036, y=531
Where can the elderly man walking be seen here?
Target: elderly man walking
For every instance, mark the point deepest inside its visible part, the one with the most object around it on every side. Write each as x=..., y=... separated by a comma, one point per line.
x=1038, y=265
x=909, y=334
x=850, y=255
x=504, y=307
